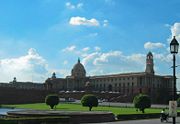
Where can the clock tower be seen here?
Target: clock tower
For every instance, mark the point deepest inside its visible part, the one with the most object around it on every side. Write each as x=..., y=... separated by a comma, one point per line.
x=149, y=63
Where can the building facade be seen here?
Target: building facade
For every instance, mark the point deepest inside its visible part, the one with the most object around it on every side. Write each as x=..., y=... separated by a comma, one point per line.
x=125, y=84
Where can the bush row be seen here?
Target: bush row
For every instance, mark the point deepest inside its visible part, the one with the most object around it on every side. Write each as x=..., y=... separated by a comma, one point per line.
x=139, y=116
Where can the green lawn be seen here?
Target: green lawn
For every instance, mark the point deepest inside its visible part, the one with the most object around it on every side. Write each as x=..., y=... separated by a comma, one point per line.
x=78, y=107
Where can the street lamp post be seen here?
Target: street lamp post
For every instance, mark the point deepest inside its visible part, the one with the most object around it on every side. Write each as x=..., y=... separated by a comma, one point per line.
x=174, y=46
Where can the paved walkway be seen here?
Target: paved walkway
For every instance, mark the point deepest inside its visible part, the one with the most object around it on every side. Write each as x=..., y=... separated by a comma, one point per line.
x=146, y=121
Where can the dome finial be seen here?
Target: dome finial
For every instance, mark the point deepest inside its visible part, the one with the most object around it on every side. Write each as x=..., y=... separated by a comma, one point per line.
x=78, y=60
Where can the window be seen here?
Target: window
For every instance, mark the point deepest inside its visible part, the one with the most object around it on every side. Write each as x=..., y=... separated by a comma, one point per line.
x=140, y=83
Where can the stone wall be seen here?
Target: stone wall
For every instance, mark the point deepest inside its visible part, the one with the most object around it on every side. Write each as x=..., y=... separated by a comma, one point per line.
x=21, y=96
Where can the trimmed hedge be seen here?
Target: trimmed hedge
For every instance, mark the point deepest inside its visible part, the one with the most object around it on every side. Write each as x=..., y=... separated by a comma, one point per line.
x=139, y=116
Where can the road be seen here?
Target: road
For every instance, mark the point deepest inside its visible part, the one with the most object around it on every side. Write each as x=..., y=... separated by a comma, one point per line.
x=147, y=121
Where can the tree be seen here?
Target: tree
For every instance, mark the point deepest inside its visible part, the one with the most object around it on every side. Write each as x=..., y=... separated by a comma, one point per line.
x=178, y=102
x=161, y=96
x=52, y=100
x=89, y=100
x=142, y=102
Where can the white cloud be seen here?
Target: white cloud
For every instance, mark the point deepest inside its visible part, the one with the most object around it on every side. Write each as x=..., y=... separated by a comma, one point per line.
x=109, y=62
x=80, y=5
x=175, y=30
x=105, y=23
x=136, y=58
x=105, y=57
x=163, y=57
x=69, y=5
x=113, y=62
x=97, y=48
x=83, y=21
x=31, y=67
x=69, y=49
x=86, y=49
x=97, y=62
x=89, y=58
x=150, y=45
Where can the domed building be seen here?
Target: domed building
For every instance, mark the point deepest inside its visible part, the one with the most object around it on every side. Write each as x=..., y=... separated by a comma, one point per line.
x=125, y=84
x=76, y=81
x=78, y=70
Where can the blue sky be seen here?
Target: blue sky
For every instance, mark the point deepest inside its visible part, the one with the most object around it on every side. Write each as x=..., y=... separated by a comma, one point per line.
x=38, y=37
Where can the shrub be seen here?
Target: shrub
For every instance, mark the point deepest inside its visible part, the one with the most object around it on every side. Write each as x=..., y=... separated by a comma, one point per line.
x=178, y=102
x=52, y=100
x=141, y=102
x=89, y=100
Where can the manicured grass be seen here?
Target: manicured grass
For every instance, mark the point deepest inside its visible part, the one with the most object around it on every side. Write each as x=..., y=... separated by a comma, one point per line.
x=78, y=107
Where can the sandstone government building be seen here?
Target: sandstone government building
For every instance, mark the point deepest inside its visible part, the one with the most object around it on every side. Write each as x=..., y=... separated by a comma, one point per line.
x=123, y=84
x=126, y=84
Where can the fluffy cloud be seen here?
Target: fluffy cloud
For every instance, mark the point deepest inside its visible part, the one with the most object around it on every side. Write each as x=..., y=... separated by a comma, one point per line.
x=150, y=45
x=115, y=62
x=83, y=21
x=31, y=67
x=69, y=5
x=89, y=58
x=167, y=58
x=98, y=62
x=97, y=48
x=175, y=30
x=69, y=49
x=105, y=57
x=105, y=23
x=85, y=49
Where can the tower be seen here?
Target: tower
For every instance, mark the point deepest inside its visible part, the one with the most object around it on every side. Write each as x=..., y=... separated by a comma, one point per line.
x=53, y=75
x=149, y=63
